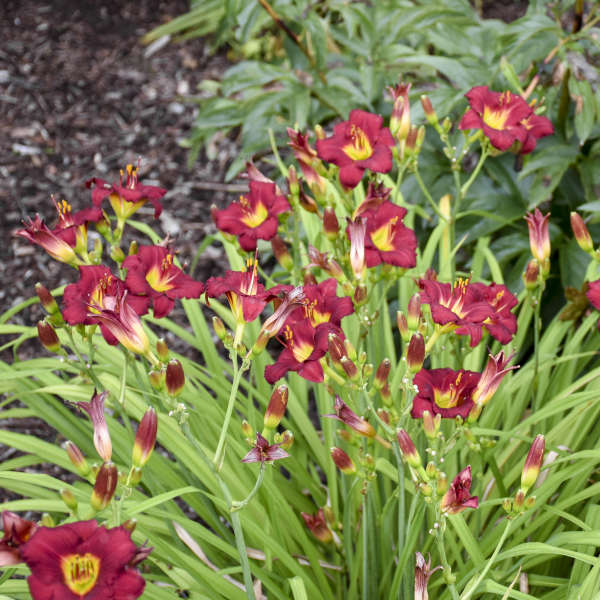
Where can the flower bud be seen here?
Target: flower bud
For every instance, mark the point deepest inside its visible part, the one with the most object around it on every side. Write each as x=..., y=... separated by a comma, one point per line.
x=69, y=499
x=519, y=501
x=533, y=463
x=134, y=477
x=386, y=395
x=530, y=502
x=331, y=226
x=403, y=326
x=430, y=115
x=442, y=483
x=117, y=254
x=285, y=439
x=582, y=235
x=77, y=459
x=350, y=350
x=276, y=408
x=281, y=253
x=431, y=424
x=415, y=353
x=414, y=312
x=105, y=486
x=342, y=461
x=95, y=409
x=48, y=337
x=145, y=439
x=382, y=374
x=47, y=520
x=308, y=203
x=157, y=379
x=507, y=505
x=248, y=432
x=360, y=295
x=531, y=275
x=539, y=239
x=350, y=369
x=219, y=328
x=46, y=299
x=129, y=525
x=174, y=378
x=162, y=350
x=408, y=450
x=384, y=415
x=336, y=349
x=293, y=184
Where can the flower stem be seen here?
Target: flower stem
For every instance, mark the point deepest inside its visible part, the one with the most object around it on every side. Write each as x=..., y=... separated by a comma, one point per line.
x=445, y=564
x=235, y=505
x=465, y=188
x=427, y=195
x=87, y=368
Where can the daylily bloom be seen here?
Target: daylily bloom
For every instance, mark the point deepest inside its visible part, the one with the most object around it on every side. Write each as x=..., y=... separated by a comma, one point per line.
x=469, y=307
x=505, y=119
x=539, y=238
x=127, y=197
x=593, y=295
x=444, y=392
x=491, y=378
x=346, y=415
x=82, y=561
x=458, y=497
x=16, y=532
x=95, y=409
x=358, y=144
x=318, y=526
x=305, y=346
x=96, y=289
x=387, y=239
x=254, y=217
x=263, y=452
x=246, y=296
x=151, y=273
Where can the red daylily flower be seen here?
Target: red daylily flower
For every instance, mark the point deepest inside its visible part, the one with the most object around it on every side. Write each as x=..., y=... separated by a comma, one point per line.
x=16, y=533
x=377, y=194
x=505, y=119
x=458, y=497
x=127, y=198
x=95, y=290
x=82, y=561
x=444, y=392
x=254, y=217
x=388, y=240
x=358, y=144
x=304, y=348
x=263, y=452
x=470, y=307
x=246, y=296
x=151, y=273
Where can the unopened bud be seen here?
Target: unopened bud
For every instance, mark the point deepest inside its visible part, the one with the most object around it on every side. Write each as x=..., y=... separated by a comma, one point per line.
x=162, y=350
x=531, y=275
x=293, y=181
x=77, y=459
x=308, y=203
x=219, y=328
x=403, y=326
x=48, y=337
x=336, y=350
x=360, y=295
x=319, y=132
x=47, y=520
x=507, y=505
x=285, y=439
x=46, y=299
x=408, y=449
x=533, y=463
x=331, y=226
x=382, y=374
x=430, y=115
x=386, y=395
x=367, y=370
x=446, y=125
x=582, y=235
x=431, y=424
x=415, y=353
x=117, y=254
x=133, y=248
x=174, y=378
x=342, y=461
x=145, y=439
x=519, y=500
x=384, y=415
x=441, y=483
x=248, y=431
x=426, y=489
x=157, y=379
x=134, y=477
x=308, y=278
x=413, y=318
x=530, y=502
x=276, y=408
x=350, y=368
x=350, y=350
x=105, y=486
x=281, y=253
x=69, y=499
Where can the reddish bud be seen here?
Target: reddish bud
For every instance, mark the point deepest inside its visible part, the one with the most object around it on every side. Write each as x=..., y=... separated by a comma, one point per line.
x=162, y=350
x=533, y=463
x=336, y=349
x=174, y=378
x=384, y=415
x=349, y=368
x=77, y=459
x=582, y=235
x=519, y=501
x=331, y=226
x=431, y=424
x=531, y=275
x=293, y=184
x=46, y=299
x=382, y=374
x=48, y=337
x=145, y=439
x=403, y=326
x=539, y=238
x=308, y=203
x=342, y=461
x=347, y=416
x=386, y=395
x=415, y=353
x=414, y=312
x=105, y=486
x=407, y=447
x=276, y=408
x=281, y=253
x=429, y=111
x=360, y=295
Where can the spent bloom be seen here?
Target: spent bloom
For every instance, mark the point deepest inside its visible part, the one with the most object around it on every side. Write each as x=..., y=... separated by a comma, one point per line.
x=318, y=526
x=358, y=144
x=458, y=497
x=264, y=452
x=491, y=377
x=347, y=416
x=539, y=238
x=254, y=217
x=83, y=561
x=151, y=273
x=16, y=533
x=423, y=572
x=95, y=409
x=505, y=118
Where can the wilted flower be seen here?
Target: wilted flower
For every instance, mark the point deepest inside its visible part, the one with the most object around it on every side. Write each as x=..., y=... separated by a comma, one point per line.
x=505, y=119
x=458, y=497
x=444, y=392
x=323, y=261
x=53, y=242
x=151, y=273
x=357, y=231
x=254, y=217
x=127, y=197
x=81, y=561
x=95, y=409
x=491, y=377
x=358, y=144
x=307, y=159
x=423, y=572
x=318, y=526
x=17, y=532
x=347, y=416
x=263, y=452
